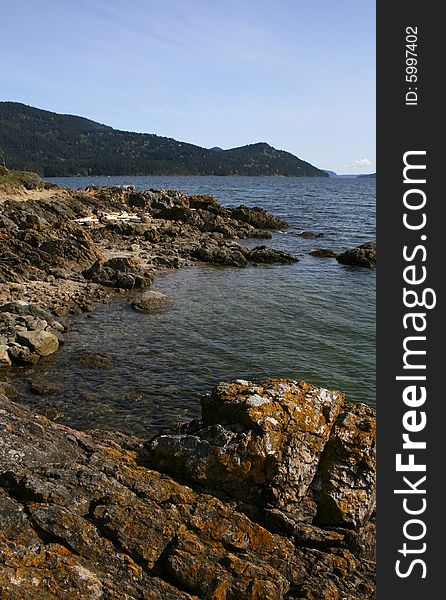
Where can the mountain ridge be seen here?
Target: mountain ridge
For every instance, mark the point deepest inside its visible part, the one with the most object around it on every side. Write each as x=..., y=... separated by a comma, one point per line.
x=58, y=145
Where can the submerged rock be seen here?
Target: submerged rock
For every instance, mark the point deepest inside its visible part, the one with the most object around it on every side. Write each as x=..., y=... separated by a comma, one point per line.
x=323, y=253
x=42, y=388
x=362, y=256
x=82, y=518
x=94, y=360
x=309, y=235
x=151, y=300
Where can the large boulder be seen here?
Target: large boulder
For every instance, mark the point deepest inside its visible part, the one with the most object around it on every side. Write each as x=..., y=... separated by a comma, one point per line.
x=41, y=342
x=362, y=256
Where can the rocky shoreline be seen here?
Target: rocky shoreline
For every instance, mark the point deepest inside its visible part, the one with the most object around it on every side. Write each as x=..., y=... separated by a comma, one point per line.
x=270, y=495
x=60, y=254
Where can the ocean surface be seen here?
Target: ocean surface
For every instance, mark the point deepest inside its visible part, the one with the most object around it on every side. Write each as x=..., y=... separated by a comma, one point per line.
x=313, y=320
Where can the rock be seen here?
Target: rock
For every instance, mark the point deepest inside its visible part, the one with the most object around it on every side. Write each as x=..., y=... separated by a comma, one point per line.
x=362, y=256
x=81, y=516
x=5, y=360
x=121, y=272
x=183, y=214
x=204, y=201
x=323, y=253
x=42, y=389
x=22, y=356
x=151, y=300
x=7, y=389
x=94, y=360
x=263, y=254
x=42, y=343
x=287, y=453
x=257, y=217
x=309, y=235
x=27, y=309
x=220, y=255
x=345, y=485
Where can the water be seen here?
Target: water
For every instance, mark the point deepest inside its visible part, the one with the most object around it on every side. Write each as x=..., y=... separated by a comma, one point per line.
x=312, y=320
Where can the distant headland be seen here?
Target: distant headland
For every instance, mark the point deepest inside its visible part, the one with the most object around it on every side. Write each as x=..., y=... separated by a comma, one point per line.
x=56, y=145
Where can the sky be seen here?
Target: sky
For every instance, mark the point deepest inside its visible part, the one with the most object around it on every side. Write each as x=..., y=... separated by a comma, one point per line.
x=297, y=74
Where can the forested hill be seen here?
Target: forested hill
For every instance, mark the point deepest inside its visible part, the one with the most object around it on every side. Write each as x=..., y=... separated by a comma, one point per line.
x=55, y=145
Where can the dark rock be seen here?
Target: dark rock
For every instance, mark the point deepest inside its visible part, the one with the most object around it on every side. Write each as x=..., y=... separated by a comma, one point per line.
x=257, y=217
x=264, y=254
x=94, y=360
x=138, y=200
x=362, y=256
x=25, y=308
x=309, y=235
x=204, y=201
x=42, y=389
x=323, y=253
x=119, y=272
x=220, y=255
x=184, y=214
x=22, y=356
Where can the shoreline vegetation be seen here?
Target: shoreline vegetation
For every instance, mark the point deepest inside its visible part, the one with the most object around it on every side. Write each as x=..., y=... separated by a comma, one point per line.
x=271, y=494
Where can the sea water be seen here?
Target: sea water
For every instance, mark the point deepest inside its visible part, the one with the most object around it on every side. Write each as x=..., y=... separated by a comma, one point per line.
x=312, y=320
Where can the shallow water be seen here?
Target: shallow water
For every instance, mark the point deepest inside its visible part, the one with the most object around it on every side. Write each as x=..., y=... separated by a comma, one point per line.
x=312, y=320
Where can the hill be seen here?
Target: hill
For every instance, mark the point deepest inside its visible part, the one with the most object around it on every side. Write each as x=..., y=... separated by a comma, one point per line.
x=55, y=145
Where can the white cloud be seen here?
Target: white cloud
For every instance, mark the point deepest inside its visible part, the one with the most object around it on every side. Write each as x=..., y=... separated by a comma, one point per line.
x=364, y=162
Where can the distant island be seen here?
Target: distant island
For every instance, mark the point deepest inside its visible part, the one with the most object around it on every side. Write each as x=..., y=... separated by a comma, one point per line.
x=333, y=174
x=56, y=145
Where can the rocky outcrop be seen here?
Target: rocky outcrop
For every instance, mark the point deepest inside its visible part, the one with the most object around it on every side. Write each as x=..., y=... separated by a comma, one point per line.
x=292, y=456
x=362, y=256
x=83, y=516
x=82, y=239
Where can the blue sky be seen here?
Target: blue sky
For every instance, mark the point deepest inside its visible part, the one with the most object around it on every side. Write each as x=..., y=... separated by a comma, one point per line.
x=297, y=74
